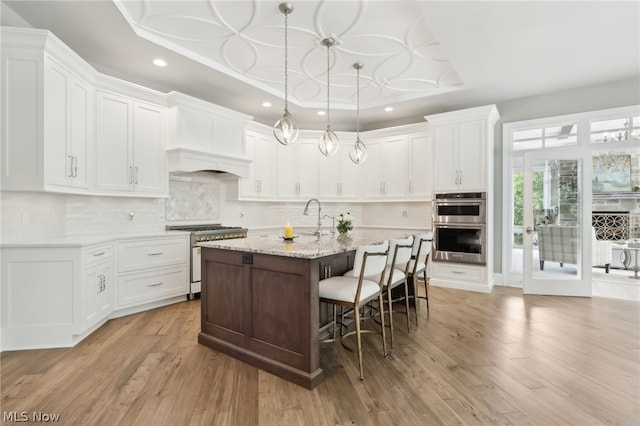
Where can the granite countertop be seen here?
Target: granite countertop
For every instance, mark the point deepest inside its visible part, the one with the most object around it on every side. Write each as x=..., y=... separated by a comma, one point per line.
x=308, y=246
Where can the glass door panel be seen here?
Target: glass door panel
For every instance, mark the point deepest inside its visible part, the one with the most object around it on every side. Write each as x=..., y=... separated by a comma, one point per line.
x=553, y=224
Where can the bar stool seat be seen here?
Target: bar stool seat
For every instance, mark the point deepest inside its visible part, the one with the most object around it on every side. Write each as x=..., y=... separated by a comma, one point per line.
x=356, y=290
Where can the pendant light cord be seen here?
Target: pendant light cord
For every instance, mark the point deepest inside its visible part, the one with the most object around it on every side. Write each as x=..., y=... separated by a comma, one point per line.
x=358, y=103
x=286, y=60
x=328, y=85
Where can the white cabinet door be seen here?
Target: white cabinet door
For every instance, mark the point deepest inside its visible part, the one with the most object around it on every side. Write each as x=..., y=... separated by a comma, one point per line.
x=471, y=155
x=307, y=168
x=349, y=175
x=329, y=176
x=149, y=149
x=371, y=172
x=459, y=154
x=338, y=176
x=261, y=149
x=114, y=143
x=420, y=166
x=384, y=173
x=445, y=158
x=394, y=166
x=286, y=172
x=66, y=127
x=97, y=295
x=80, y=139
x=130, y=146
x=296, y=170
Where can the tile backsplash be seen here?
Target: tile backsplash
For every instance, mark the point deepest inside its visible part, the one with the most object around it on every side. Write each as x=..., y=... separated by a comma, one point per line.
x=192, y=199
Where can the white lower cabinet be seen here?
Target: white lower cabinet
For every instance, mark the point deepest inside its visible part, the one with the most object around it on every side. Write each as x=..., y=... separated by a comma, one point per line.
x=152, y=269
x=461, y=276
x=149, y=286
x=54, y=296
x=97, y=290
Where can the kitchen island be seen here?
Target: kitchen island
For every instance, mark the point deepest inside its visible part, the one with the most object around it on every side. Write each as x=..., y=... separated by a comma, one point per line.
x=260, y=297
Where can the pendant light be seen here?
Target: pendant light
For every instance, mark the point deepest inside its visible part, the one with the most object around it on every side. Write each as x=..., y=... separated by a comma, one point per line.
x=286, y=129
x=329, y=142
x=359, y=152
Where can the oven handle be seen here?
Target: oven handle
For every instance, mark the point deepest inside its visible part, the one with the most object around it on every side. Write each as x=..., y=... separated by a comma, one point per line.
x=449, y=202
x=472, y=225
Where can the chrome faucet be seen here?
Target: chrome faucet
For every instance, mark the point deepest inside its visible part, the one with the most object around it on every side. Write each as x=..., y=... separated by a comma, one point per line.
x=306, y=213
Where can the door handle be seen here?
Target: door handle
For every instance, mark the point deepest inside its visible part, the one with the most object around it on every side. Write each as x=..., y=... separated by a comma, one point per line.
x=528, y=230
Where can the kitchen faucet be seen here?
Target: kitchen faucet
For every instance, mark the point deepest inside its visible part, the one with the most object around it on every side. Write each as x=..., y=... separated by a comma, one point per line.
x=306, y=213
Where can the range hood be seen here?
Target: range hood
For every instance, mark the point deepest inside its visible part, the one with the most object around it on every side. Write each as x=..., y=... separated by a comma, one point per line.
x=205, y=137
x=190, y=160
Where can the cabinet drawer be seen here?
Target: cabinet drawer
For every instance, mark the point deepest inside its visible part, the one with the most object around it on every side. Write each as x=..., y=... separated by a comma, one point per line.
x=136, y=289
x=152, y=253
x=95, y=254
x=457, y=271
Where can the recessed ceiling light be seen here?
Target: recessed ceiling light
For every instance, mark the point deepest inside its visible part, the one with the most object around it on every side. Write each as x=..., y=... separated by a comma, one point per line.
x=266, y=104
x=321, y=113
x=388, y=109
x=159, y=62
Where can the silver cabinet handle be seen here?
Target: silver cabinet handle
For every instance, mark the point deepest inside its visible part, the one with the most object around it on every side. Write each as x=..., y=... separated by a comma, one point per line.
x=155, y=254
x=155, y=285
x=99, y=254
x=70, y=166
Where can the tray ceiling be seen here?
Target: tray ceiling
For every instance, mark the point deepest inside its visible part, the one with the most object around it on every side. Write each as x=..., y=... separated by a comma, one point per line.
x=402, y=58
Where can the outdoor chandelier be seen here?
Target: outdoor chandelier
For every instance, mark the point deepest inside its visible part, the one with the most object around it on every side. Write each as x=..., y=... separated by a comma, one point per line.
x=286, y=129
x=329, y=142
x=359, y=152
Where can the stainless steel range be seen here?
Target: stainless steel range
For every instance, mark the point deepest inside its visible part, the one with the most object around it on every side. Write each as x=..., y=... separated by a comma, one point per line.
x=205, y=232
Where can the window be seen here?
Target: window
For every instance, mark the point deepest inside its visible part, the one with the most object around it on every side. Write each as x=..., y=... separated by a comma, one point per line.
x=545, y=137
x=615, y=129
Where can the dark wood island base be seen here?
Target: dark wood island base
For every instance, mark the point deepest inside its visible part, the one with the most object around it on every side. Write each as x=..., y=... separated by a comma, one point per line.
x=263, y=309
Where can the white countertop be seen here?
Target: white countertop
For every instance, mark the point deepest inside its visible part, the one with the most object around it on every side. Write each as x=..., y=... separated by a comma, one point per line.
x=88, y=240
x=308, y=246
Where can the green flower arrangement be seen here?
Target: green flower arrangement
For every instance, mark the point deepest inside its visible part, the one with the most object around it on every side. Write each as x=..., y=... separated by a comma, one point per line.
x=344, y=223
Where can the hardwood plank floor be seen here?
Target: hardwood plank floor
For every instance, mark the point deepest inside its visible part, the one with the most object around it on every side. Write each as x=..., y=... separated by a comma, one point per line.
x=479, y=359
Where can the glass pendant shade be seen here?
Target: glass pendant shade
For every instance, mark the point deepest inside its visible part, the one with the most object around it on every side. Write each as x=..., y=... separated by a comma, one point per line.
x=359, y=152
x=286, y=129
x=328, y=143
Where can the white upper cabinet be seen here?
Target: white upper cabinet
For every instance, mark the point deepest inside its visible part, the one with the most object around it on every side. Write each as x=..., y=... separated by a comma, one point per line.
x=130, y=146
x=463, y=149
x=68, y=101
x=261, y=150
x=297, y=169
x=46, y=115
x=384, y=173
x=420, y=166
x=338, y=175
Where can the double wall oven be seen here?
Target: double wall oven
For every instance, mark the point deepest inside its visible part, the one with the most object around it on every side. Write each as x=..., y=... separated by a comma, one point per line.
x=205, y=232
x=460, y=225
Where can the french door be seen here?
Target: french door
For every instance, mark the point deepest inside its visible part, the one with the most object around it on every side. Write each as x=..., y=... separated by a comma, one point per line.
x=556, y=223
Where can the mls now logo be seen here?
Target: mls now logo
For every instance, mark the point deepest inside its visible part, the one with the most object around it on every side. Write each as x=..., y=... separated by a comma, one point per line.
x=23, y=416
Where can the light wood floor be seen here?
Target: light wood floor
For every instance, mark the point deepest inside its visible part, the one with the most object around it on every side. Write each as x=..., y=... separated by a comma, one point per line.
x=496, y=358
